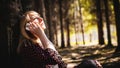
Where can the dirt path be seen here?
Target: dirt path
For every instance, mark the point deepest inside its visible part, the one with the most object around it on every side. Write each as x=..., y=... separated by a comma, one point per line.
x=104, y=55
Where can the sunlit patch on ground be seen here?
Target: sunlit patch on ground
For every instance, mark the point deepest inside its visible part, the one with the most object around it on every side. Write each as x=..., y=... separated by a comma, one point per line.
x=104, y=55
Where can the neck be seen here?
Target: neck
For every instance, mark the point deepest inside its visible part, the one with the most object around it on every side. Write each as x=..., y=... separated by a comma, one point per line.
x=38, y=41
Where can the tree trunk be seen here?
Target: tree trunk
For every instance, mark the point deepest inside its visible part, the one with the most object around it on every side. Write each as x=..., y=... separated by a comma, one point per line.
x=56, y=34
x=75, y=24
x=27, y=5
x=49, y=20
x=99, y=23
x=66, y=15
x=68, y=33
x=40, y=8
x=107, y=22
x=61, y=24
x=4, y=17
x=117, y=20
x=81, y=22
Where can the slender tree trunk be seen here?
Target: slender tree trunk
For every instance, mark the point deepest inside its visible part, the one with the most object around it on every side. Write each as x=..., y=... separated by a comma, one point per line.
x=61, y=24
x=54, y=18
x=81, y=22
x=49, y=21
x=68, y=33
x=107, y=22
x=40, y=8
x=66, y=6
x=43, y=10
x=99, y=22
x=76, y=37
x=56, y=34
x=75, y=24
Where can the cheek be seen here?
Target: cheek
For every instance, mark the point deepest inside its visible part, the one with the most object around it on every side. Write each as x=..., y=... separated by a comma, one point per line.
x=43, y=25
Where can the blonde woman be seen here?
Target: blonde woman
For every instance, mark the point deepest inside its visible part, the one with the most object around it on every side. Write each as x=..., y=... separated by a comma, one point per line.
x=35, y=49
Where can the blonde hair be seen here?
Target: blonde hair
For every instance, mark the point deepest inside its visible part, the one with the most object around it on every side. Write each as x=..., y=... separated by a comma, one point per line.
x=23, y=22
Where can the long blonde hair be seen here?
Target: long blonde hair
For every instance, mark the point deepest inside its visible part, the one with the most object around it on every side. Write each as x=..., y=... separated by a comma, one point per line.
x=24, y=33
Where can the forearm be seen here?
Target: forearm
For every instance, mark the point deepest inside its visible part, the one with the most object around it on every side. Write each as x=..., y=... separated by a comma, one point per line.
x=37, y=30
x=46, y=42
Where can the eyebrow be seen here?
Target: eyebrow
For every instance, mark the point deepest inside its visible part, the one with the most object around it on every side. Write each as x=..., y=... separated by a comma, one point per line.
x=33, y=19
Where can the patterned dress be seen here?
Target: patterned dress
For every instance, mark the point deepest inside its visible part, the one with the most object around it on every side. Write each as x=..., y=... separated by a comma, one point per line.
x=33, y=56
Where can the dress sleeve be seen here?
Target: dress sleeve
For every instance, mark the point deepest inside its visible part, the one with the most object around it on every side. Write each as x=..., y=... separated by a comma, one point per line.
x=54, y=58
x=47, y=56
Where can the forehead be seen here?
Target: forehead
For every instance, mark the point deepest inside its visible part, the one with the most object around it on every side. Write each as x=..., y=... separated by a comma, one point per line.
x=32, y=15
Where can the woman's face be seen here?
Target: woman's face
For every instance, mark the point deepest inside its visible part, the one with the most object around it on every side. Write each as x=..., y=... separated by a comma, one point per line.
x=33, y=17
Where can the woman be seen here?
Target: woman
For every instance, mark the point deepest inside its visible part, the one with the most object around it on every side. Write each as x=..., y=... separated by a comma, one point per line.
x=35, y=49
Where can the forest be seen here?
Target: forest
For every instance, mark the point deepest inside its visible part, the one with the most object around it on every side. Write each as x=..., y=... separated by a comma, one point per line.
x=79, y=29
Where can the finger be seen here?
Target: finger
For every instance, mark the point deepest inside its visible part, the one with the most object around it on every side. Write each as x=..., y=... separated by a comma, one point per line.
x=37, y=25
x=33, y=25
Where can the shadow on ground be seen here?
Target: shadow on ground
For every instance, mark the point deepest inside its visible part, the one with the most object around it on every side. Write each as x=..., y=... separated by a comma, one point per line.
x=105, y=55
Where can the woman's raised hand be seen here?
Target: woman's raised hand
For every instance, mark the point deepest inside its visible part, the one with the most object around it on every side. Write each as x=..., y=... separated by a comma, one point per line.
x=36, y=27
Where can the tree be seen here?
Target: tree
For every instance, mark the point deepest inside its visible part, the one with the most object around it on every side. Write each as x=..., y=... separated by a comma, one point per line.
x=66, y=16
x=61, y=24
x=81, y=21
x=49, y=18
x=116, y=5
x=99, y=22
x=75, y=22
x=16, y=9
x=27, y=5
x=107, y=22
x=4, y=18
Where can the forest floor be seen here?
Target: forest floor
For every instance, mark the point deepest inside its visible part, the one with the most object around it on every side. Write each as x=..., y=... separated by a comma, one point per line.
x=105, y=55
